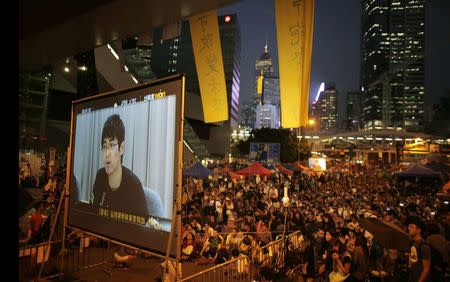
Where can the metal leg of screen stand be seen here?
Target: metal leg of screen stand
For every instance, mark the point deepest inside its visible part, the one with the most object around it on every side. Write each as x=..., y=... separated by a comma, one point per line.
x=175, y=223
x=55, y=222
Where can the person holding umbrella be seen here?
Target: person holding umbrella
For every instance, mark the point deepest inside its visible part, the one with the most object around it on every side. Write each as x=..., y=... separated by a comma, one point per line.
x=420, y=254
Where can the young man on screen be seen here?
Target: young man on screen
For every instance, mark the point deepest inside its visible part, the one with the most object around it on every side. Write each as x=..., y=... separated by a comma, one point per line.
x=116, y=188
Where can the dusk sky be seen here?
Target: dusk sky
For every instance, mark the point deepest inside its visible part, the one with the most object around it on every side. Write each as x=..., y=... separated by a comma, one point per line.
x=336, y=46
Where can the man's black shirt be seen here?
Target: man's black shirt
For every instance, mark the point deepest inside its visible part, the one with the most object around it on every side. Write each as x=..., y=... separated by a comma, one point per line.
x=128, y=198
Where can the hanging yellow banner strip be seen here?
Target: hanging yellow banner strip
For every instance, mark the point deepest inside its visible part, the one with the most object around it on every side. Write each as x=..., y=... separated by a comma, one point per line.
x=307, y=55
x=209, y=64
x=259, y=84
x=294, y=23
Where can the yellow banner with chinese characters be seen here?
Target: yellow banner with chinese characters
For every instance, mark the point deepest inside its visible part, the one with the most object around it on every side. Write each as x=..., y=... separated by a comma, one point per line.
x=294, y=23
x=209, y=64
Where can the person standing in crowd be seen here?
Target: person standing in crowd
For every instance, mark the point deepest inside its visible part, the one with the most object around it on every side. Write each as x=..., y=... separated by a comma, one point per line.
x=29, y=180
x=420, y=254
x=51, y=185
x=357, y=248
x=263, y=234
x=437, y=241
x=443, y=222
x=27, y=171
x=36, y=221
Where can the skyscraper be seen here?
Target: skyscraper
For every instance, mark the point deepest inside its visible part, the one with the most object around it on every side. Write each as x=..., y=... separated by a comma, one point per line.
x=268, y=116
x=268, y=113
x=176, y=56
x=271, y=90
x=392, y=63
x=353, y=110
x=230, y=39
x=414, y=66
x=264, y=73
x=325, y=108
x=268, y=110
x=263, y=66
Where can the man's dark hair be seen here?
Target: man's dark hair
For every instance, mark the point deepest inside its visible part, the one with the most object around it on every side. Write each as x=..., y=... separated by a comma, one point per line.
x=418, y=222
x=113, y=128
x=343, y=232
x=234, y=252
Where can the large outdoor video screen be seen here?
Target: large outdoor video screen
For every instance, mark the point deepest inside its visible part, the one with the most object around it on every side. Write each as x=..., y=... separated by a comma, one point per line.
x=317, y=164
x=124, y=153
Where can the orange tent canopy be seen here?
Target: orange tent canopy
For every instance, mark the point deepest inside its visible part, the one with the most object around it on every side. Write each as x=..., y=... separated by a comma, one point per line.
x=300, y=166
x=285, y=170
x=254, y=169
x=235, y=176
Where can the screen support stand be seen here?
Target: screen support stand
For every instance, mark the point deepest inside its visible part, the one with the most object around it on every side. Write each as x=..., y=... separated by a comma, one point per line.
x=66, y=207
x=167, y=276
x=54, y=223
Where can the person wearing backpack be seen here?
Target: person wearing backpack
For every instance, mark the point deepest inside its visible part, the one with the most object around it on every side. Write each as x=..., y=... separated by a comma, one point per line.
x=420, y=253
x=439, y=252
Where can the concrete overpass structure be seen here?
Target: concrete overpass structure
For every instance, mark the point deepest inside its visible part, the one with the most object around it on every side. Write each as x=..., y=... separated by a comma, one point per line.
x=372, y=136
x=389, y=145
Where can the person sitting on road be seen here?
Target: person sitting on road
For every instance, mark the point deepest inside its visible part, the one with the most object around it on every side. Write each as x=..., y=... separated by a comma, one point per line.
x=123, y=259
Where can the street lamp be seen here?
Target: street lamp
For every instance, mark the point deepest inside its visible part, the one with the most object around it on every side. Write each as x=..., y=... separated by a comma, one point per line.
x=286, y=202
x=285, y=198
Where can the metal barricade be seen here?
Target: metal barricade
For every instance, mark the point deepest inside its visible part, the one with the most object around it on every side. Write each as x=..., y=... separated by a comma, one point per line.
x=265, y=255
x=237, y=269
x=86, y=253
x=296, y=239
x=31, y=257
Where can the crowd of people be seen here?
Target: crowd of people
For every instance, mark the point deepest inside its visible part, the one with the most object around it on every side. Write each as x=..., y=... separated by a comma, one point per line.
x=37, y=207
x=225, y=218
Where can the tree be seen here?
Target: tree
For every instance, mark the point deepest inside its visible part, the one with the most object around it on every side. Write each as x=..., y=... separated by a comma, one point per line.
x=291, y=147
x=304, y=150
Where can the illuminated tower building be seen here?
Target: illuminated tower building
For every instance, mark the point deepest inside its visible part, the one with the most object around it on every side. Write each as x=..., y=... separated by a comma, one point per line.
x=267, y=116
x=271, y=90
x=325, y=107
x=353, y=110
x=414, y=62
x=263, y=66
x=392, y=63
